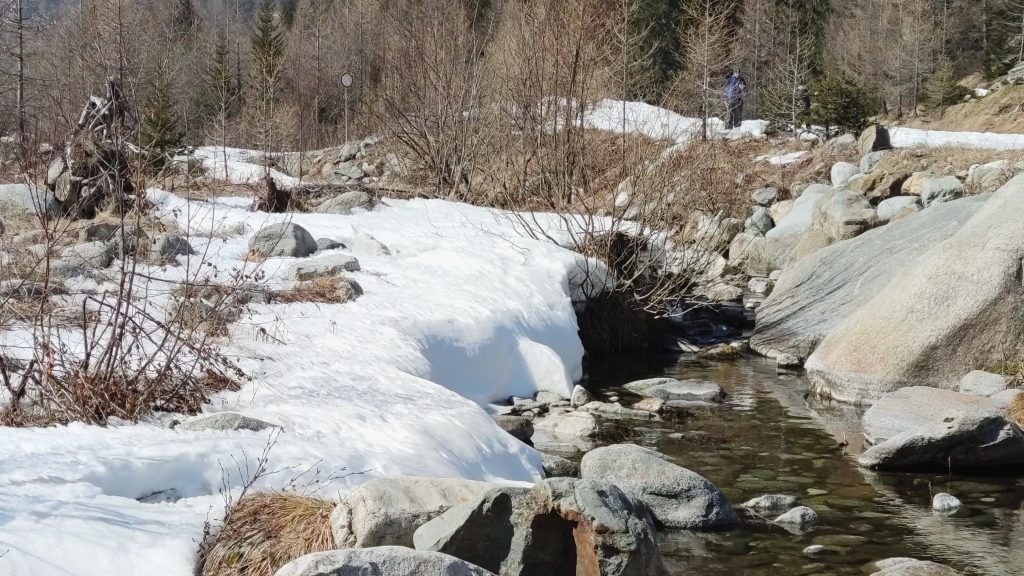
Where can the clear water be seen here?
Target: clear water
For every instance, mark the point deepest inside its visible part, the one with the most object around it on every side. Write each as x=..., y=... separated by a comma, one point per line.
x=769, y=438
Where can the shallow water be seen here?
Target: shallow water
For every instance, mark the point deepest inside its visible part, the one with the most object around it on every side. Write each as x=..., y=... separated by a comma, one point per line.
x=767, y=438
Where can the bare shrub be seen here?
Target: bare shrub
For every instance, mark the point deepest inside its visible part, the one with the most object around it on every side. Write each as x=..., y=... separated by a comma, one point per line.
x=1016, y=409
x=324, y=290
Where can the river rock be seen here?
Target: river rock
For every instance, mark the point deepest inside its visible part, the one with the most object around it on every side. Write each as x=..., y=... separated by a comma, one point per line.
x=89, y=255
x=782, y=240
x=29, y=199
x=223, y=421
x=721, y=351
x=889, y=208
x=934, y=190
x=616, y=411
x=519, y=427
x=387, y=511
x=770, y=503
x=946, y=503
x=653, y=405
x=841, y=214
x=800, y=518
x=927, y=428
x=559, y=467
x=282, y=239
x=568, y=425
x=765, y=196
x=760, y=222
x=580, y=396
x=379, y=561
x=325, y=265
x=677, y=497
x=985, y=178
x=713, y=232
x=669, y=389
x=912, y=567
x=560, y=526
x=748, y=252
x=842, y=172
x=981, y=383
x=346, y=202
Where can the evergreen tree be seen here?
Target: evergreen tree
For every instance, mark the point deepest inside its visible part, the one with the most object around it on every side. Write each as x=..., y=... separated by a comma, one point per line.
x=186, y=20
x=161, y=135
x=266, y=68
x=288, y=10
x=221, y=84
x=841, y=103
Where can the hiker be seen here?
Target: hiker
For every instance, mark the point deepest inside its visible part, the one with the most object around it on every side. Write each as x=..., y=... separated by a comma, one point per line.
x=735, y=92
x=803, y=96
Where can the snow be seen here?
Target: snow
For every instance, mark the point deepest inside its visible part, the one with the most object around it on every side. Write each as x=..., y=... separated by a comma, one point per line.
x=662, y=124
x=783, y=159
x=901, y=137
x=466, y=311
x=238, y=166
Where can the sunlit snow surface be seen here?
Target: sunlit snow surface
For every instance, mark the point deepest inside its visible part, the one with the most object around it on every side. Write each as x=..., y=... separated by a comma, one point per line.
x=464, y=312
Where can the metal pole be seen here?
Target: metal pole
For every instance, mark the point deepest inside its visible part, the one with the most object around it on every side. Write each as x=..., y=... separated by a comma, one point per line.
x=346, y=114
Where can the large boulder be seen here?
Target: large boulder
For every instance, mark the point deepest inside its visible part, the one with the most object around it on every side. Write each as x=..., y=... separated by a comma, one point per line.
x=282, y=239
x=560, y=526
x=815, y=295
x=955, y=307
x=919, y=427
x=874, y=139
x=981, y=383
x=985, y=178
x=842, y=214
x=944, y=189
x=677, y=497
x=387, y=511
x=782, y=240
x=747, y=252
x=28, y=198
x=379, y=561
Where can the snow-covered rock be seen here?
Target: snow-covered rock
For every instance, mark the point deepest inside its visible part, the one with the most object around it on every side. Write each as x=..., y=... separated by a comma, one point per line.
x=282, y=239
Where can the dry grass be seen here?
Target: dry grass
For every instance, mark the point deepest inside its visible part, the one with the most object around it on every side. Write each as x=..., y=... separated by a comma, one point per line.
x=1016, y=410
x=1001, y=111
x=265, y=531
x=942, y=161
x=325, y=290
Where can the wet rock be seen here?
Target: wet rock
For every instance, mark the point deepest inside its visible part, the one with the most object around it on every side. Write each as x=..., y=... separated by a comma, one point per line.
x=677, y=497
x=786, y=361
x=654, y=405
x=816, y=550
x=800, y=518
x=911, y=567
x=282, y=239
x=560, y=526
x=946, y=503
x=570, y=424
x=719, y=352
x=981, y=383
x=519, y=427
x=223, y=421
x=558, y=467
x=670, y=389
x=616, y=411
x=326, y=265
x=770, y=503
x=387, y=511
x=379, y=561
x=580, y=396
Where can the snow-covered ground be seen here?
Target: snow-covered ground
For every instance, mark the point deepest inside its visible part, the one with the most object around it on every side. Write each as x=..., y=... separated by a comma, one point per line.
x=660, y=123
x=237, y=165
x=910, y=137
x=466, y=311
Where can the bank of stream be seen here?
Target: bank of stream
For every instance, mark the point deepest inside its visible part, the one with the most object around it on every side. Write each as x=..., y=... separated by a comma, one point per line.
x=768, y=437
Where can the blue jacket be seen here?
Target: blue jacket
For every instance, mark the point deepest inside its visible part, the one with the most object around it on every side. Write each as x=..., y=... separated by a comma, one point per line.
x=735, y=88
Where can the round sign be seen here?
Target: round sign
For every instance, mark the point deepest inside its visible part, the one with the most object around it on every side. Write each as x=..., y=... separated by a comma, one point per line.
x=346, y=80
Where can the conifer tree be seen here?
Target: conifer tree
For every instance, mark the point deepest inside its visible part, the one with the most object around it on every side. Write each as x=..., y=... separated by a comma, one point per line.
x=221, y=84
x=186, y=20
x=161, y=134
x=266, y=69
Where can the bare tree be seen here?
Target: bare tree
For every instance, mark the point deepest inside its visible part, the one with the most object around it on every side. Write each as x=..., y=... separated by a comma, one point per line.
x=707, y=53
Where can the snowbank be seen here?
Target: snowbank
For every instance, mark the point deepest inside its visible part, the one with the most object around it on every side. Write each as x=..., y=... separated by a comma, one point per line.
x=465, y=312
x=660, y=123
x=909, y=137
x=237, y=166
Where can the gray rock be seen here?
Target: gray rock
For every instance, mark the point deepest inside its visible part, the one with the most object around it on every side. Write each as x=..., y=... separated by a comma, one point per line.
x=721, y=292
x=55, y=170
x=379, y=561
x=580, y=396
x=223, y=421
x=928, y=428
x=558, y=467
x=986, y=178
x=869, y=160
x=387, y=511
x=889, y=208
x=821, y=292
x=770, y=503
x=1016, y=74
x=760, y=222
x=981, y=383
x=348, y=152
x=800, y=518
x=842, y=172
x=170, y=246
x=874, y=139
x=346, y=202
x=840, y=142
x=785, y=360
x=328, y=244
x=350, y=170
x=545, y=397
x=568, y=425
x=29, y=199
x=519, y=427
x=765, y=196
x=653, y=405
x=282, y=239
x=946, y=503
x=749, y=252
x=817, y=550
x=89, y=255
x=934, y=190
x=616, y=411
x=672, y=389
x=713, y=232
x=761, y=286
x=97, y=231
x=326, y=265
x=560, y=526
x=841, y=215
x=61, y=268
x=781, y=241
x=912, y=567
x=677, y=497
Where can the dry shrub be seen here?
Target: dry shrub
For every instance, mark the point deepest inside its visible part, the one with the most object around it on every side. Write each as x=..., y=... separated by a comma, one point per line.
x=943, y=160
x=1016, y=410
x=266, y=530
x=324, y=290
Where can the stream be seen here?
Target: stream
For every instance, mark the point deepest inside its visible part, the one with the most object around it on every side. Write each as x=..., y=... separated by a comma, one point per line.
x=769, y=438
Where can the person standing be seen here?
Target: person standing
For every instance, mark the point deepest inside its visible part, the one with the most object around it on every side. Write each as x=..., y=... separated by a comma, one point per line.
x=735, y=92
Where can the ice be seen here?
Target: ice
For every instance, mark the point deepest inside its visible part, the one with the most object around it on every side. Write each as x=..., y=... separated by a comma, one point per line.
x=467, y=311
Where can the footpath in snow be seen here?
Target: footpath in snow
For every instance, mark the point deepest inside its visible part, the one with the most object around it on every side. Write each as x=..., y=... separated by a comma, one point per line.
x=465, y=312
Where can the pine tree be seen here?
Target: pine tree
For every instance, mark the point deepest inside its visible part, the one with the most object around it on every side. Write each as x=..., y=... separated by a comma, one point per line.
x=288, y=10
x=186, y=20
x=841, y=103
x=265, y=73
x=161, y=134
x=220, y=81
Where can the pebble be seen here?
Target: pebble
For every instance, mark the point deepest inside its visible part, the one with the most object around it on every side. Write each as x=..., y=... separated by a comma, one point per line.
x=943, y=502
